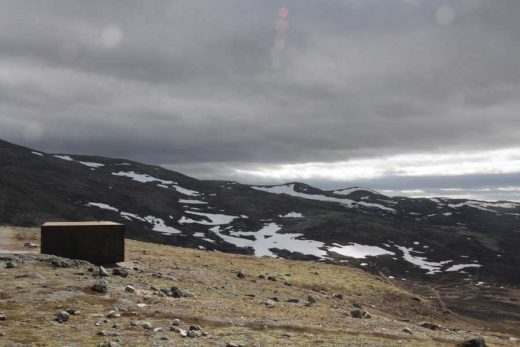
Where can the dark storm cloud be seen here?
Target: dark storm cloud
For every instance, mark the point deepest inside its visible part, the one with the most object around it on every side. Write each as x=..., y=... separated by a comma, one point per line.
x=213, y=84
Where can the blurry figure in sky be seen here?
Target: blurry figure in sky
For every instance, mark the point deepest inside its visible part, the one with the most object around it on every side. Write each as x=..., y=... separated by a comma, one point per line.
x=281, y=26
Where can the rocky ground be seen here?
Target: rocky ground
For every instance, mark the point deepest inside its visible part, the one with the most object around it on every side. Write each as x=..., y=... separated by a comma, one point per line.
x=165, y=296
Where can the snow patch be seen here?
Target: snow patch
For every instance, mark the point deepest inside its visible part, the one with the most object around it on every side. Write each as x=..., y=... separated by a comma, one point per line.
x=129, y=216
x=422, y=262
x=289, y=190
x=268, y=238
x=91, y=164
x=159, y=225
x=143, y=178
x=193, y=202
x=64, y=157
x=214, y=219
x=37, y=153
x=186, y=191
x=358, y=251
x=102, y=206
x=292, y=215
x=460, y=267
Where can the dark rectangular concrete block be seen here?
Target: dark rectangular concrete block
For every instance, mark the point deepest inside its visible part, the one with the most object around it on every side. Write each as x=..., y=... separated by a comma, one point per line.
x=96, y=242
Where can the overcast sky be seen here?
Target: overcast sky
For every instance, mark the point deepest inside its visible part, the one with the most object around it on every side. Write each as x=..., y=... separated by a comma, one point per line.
x=406, y=96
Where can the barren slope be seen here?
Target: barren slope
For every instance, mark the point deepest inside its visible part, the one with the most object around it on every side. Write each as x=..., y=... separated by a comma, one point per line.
x=227, y=307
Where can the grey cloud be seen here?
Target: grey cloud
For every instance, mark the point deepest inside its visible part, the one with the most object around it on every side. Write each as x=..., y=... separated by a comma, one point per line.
x=193, y=82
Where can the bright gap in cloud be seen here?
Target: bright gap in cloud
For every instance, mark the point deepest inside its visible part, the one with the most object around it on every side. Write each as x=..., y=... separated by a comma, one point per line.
x=451, y=164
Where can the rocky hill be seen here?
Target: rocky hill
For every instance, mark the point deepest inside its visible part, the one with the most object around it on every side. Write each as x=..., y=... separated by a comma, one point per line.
x=170, y=296
x=404, y=238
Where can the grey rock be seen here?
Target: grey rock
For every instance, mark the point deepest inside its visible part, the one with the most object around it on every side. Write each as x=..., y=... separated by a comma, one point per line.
x=147, y=325
x=181, y=332
x=3, y=317
x=337, y=296
x=113, y=314
x=103, y=272
x=129, y=289
x=311, y=299
x=176, y=322
x=62, y=316
x=61, y=263
x=272, y=278
x=269, y=304
x=194, y=333
x=428, y=325
x=475, y=342
x=360, y=313
x=195, y=327
x=100, y=287
x=233, y=344
x=10, y=265
x=407, y=330
x=108, y=344
x=118, y=271
x=179, y=293
x=240, y=274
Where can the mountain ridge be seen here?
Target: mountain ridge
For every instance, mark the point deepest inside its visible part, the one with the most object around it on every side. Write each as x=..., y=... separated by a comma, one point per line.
x=398, y=236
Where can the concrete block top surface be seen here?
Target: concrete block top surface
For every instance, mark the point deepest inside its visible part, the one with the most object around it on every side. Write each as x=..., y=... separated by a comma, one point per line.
x=79, y=224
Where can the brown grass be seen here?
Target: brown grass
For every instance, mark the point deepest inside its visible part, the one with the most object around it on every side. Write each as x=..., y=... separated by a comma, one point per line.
x=229, y=308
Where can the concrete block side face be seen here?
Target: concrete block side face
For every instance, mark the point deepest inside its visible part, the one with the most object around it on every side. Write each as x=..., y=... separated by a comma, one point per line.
x=96, y=244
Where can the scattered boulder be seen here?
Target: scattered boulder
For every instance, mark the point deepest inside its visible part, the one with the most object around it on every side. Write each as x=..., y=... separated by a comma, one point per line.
x=129, y=289
x=269, y=304
x=407, y=330
x=108, y=344
x=293, y=301
x=176, y=322
x=147, y=326
x=100, y=287
x=475, y=342
x=62, y=316
x=113, y=314
x=311, y=299
x=240, y=274
x=60, y=262
x=3, y=317
x=103, y=272
x=233, y=344
x=176, y=292
x=118, y=271
x=272, y=278
x=428, y=325
x=181, y=332
x=10, y=265
x=337, y=296
x=30, y=245
x=194, y=333
x=360, y=313
x=73, y=311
